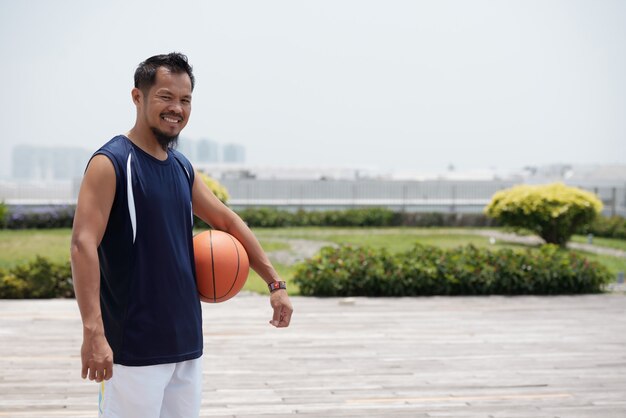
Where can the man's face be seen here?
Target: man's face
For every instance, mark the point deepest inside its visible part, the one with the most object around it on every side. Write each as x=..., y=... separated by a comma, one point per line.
x=167, y=105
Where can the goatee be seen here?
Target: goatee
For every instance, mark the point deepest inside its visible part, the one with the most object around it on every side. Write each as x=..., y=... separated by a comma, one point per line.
x=166, y=141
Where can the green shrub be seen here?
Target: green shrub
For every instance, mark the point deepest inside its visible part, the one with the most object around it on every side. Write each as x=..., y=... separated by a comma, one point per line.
x=437, y=219
x=362, y=217
x=607, y=227
x=12, y=288
x=554, y=211
x=45, y=217
x=62, y=217
x=358, y=217
x=429, y=270
x=345, y=271
x=267, y=217
x=4, y=212
x=37, y=279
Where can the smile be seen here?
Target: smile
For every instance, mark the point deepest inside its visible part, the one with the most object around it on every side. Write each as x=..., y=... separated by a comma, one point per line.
x=171, y=119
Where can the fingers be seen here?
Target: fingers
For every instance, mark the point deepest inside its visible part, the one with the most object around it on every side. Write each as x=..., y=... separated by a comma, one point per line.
x=97, y=358
x=285, y=318
x=276, y=318
x=282, y=309
x=92, y=373
x=282, y=315
x=100, y=375
x=98, y=372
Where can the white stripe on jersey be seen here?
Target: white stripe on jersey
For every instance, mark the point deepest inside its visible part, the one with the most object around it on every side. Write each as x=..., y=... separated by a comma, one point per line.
x=131, y=197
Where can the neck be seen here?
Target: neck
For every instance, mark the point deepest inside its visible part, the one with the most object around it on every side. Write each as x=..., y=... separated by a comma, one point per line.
x=145, y=139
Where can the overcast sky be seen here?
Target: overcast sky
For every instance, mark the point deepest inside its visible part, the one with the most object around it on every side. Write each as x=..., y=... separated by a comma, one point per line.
x=410, y=85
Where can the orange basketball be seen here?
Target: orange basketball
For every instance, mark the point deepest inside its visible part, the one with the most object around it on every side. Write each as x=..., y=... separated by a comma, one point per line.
x=222, y=265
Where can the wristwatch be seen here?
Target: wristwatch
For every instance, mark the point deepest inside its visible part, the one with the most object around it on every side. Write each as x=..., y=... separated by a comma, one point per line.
x=277, y=285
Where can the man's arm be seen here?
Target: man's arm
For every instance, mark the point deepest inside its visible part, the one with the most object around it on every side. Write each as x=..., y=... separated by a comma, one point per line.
x=209, y=208
x=95, y=199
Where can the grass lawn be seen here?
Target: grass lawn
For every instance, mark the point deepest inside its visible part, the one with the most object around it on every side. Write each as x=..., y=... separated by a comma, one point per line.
x=17, y=247
x=394, y=239
x=618, y=244
x=401, y=239
x=21, y=246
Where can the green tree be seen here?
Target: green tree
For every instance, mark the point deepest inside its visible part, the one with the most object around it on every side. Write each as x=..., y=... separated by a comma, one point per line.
x=552, y=211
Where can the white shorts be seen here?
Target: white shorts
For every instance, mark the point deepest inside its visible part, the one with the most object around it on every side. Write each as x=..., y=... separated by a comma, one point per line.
x=171, y=390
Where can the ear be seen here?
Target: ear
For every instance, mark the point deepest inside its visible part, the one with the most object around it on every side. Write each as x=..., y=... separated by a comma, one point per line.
x=137, y=96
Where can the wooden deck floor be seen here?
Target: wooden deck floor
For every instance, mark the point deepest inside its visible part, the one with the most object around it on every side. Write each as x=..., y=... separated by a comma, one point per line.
x=498, y=357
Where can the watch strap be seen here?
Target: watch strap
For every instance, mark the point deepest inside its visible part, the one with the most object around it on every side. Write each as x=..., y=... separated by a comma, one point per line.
x=277, y=285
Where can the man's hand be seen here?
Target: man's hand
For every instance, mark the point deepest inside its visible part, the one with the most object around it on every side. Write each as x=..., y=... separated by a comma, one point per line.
x=282, y=308
x=97, y=357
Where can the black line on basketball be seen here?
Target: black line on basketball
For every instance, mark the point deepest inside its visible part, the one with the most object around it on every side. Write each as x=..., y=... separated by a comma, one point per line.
x=212, y=266
x=236, y=273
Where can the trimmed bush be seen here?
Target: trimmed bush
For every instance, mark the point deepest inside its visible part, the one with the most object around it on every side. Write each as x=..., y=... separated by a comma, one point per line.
x=607, y=227
x=429, y=270
x=363, y=217
x=62, y=217
x=37, y=279
x=359, y=217
x=554, y=211
x=267, y=218
x=40, y=217
x=437, y=219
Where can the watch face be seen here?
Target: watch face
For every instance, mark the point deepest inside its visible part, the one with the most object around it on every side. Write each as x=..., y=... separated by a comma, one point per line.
x=277, y=285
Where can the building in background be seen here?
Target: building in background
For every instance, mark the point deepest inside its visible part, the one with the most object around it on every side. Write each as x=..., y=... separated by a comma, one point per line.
x=187, y=147
x=33, y=162
x=47, y=175
x=207, y=151
x=234, y=153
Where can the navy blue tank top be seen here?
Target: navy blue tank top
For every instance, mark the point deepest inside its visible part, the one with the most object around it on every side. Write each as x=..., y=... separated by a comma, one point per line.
x=148, y=295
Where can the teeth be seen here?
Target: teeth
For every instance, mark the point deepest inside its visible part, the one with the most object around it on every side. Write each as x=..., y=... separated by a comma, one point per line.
x=170, y=120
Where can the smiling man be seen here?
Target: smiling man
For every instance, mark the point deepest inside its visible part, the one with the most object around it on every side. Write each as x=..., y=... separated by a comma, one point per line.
x=132, y=256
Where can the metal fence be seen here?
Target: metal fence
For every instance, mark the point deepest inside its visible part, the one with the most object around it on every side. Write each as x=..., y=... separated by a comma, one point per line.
x=409, y=196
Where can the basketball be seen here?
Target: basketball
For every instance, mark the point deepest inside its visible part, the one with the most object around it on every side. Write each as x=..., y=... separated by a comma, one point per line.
x=222, y=265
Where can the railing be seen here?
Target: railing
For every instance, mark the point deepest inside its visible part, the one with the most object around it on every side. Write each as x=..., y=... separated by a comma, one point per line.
x=409, y=196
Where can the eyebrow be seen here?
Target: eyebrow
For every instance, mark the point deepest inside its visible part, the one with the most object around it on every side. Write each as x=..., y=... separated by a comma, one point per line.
x=164, y=90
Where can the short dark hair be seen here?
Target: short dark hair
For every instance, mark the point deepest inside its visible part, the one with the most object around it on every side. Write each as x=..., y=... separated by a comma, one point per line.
x=145, y=74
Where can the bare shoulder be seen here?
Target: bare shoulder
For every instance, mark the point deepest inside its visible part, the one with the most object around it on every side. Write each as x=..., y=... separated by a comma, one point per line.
x=100, y=166
x=98, y=186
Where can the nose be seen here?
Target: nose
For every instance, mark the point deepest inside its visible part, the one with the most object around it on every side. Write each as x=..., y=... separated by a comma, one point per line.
x=177, y=108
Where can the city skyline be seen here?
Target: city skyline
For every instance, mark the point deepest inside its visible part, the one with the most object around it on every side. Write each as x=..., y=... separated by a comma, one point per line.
x=36, y=162
x=395, y=86
x=47, y=162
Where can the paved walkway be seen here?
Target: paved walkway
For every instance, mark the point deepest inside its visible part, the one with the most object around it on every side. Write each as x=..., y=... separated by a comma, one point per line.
x=535, y=240
x=500, y=357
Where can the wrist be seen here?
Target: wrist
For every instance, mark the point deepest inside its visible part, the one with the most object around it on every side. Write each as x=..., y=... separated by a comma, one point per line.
x=274, y=286
x=93, y=328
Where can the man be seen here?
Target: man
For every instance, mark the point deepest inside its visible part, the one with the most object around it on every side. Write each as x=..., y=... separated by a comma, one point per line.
x=132, y=256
